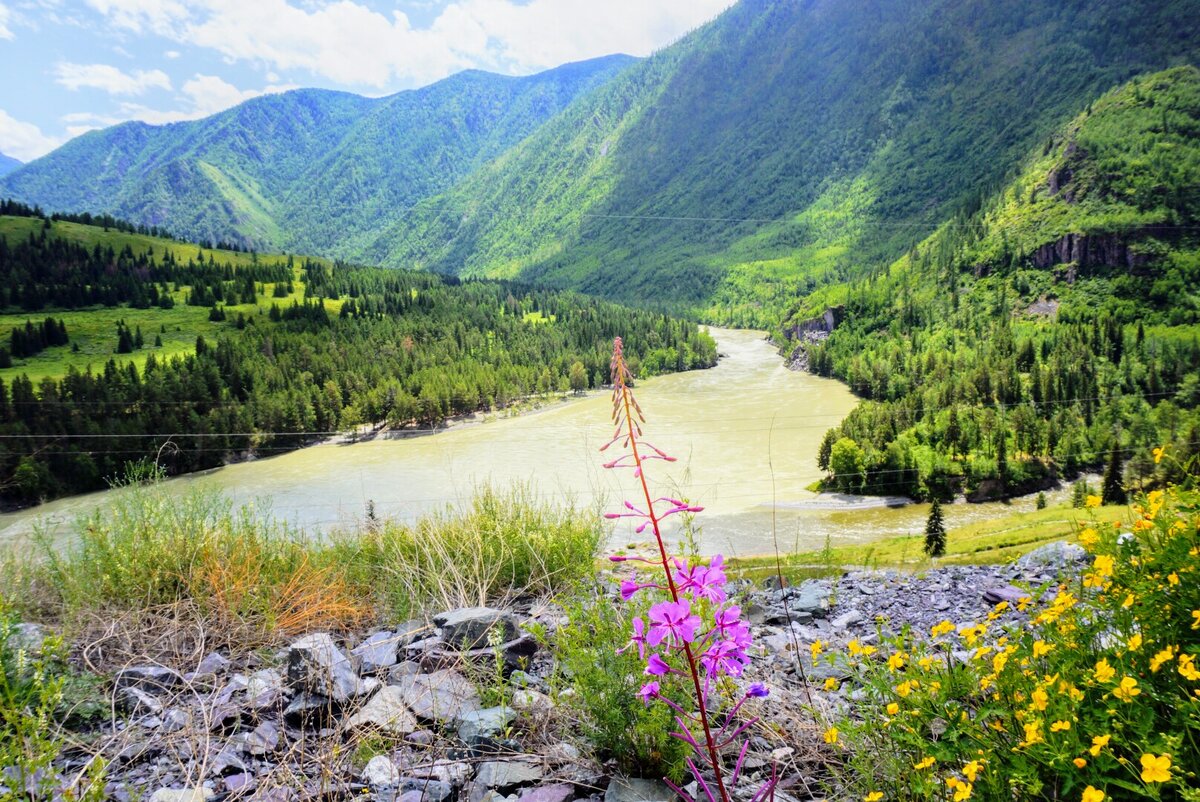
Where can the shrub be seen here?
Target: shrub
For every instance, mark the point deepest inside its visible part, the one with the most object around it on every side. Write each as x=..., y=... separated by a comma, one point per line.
x=1096, y=697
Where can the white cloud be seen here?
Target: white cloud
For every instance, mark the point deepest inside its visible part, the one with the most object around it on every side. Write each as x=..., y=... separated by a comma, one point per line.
x=5, y=20
x=349, y=43
x=201, y=96
x=22, y=140
x=172, y=54
x=109, y=79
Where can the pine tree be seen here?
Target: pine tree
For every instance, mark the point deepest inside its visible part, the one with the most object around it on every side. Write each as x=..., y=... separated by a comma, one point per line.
x=935, y=531
x=1113, y=492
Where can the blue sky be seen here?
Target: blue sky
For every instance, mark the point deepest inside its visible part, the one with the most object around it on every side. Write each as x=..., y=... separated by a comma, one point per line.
x=73, y=65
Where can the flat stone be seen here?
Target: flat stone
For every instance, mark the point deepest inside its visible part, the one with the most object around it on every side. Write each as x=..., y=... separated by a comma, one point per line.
x=427, y=790
x=847, y=620
x=386, y=712
x=559, y=792
x=1008, y=593
x=264, y=688
x=151, y=679
x=486, y=723
x=238, y=783
x=447, y=771
x=506, y=774
x=181, y=795
x=636, y=789
x=441, y=696
x=317, y=665
x=1053, y=555
x=381, y=772
x=377, y=652
x=472, y=627
x=211, y=665
x=263, y=739
x=139, y=703
x=530, y=701
x=307, y=708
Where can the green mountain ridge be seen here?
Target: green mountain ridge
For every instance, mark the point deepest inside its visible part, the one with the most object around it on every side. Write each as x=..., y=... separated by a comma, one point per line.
x=784, y=144
x=304, y=170
x=8, y=164
x=1033, y=337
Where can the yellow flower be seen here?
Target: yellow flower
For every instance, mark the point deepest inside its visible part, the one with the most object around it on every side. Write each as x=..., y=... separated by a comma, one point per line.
x=1091, y=794
x=941, y=628
x=1127, y=689
x=831, y=735
x=1128, y=601
x=1156, y=769
x=1060, y=725
x=896, y=661
x=1161, y=657
x=962, y=790
x=1134, y=643
x=972, y=769
x=831, y=684
x=1088, y=538
x=1158, y=455
x=816, y=648
x=893, y=708
x=1195, y=619
x=972, y=634
x=874, y=796
x=1098, y=743
x=1093, y=501
x=1079, y=762
x=925, y=663
x=924, y=764
x=1041, y=648
x=1187, y=667
x=1039, y=699
x=1033, y=733
x=906, y=687
x=1173, y=578
x=1103, y=565
x=1104, y=672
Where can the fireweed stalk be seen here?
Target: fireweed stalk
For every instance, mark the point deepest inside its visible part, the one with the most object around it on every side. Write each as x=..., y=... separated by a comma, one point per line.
x=693, y=631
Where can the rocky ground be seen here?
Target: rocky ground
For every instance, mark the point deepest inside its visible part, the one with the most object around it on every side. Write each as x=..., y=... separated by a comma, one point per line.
x=402, y=714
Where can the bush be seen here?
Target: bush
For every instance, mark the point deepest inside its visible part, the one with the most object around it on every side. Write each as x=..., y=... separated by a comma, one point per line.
x=1098, y=695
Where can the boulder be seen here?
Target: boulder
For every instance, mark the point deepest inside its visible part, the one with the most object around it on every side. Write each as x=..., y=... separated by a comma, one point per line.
x=386, y=712
x=442, y=696
x=381, y=772
x=473, y=627
x=1053, y=555
x=264, y=688
x=486, y=723
x=504, y=775
x=263, y=739
x=636, y=789
x=377, y=652
x=1008, y=593
x=315, y=664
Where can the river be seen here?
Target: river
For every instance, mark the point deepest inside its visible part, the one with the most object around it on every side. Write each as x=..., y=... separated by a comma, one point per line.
x=745, y=434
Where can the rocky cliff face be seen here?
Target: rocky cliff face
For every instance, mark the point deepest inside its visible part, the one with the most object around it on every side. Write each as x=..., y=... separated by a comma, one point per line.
x=811, y=331
x=1092, y=251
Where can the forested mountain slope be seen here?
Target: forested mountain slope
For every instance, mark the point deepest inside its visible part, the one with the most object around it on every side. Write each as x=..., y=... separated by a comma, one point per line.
x=309, y=170
x=8, y=164
x=786, y=140
x=1053, y=327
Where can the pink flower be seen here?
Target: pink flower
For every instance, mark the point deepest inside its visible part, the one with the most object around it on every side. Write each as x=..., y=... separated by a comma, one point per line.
x=638, y=638
x=673, y=623
x=648, y=692
x=724, y=657
x=656, y=666
x=705, y=582
x=757, y=690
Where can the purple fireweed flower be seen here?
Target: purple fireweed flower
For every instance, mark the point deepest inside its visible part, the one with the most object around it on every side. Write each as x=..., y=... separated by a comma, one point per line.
x=629, y=588
x=725, y=619
x=701, y=581
x=638, y=639
x=758, y=690
x=657, y=667
x=648, y=693
x=724, y=657
x=673, y=623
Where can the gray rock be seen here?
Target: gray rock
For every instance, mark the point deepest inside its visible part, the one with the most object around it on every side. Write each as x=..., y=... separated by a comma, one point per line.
x=151, y=679
x=441, y=696
x=1007, y=593
x=211, y=665
x=505, y=775
x=306, y=708
x=410, y=631
x=264, y=688
x=377, y=652
x=447, y=771
x=381, y=772
x=636, y=789
x=559, y=792
x=811, y=597
x=562, y=753
x=1053, y=555
x=486, y=723
x=238, y=783
x=263, y=740
x=317, y=665
x=28, y=637
x=174, y=720
x=181, y=795
x=530, y=701
x=428, y=790
x=472, y=627
x=386, y=712
x=420, y=737
x=847, y=620
x=139, y=703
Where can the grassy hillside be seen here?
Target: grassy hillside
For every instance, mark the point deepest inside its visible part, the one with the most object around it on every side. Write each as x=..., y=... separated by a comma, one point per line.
x=306, y=170
x=1055, y=327
x=786, y=140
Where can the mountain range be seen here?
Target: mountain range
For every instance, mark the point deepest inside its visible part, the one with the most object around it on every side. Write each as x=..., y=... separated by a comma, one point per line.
x=7, y=164
x=785, y=145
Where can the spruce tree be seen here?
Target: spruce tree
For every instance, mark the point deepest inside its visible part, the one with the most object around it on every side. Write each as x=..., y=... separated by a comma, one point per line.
x=935, y=531
x=1113, y=492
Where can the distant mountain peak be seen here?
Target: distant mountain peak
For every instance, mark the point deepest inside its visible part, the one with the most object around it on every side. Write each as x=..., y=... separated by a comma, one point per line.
x=8, y=164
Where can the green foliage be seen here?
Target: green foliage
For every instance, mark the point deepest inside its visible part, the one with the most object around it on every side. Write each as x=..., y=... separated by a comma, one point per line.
x=935, y=531
x=1112, y=491
x=604, y=682
x=1099, y=687
x=1004, y=350
x=309, y=170
x=848, y=464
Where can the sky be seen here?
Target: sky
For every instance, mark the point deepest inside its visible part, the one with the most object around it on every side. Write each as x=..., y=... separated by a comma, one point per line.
x=70, y=66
